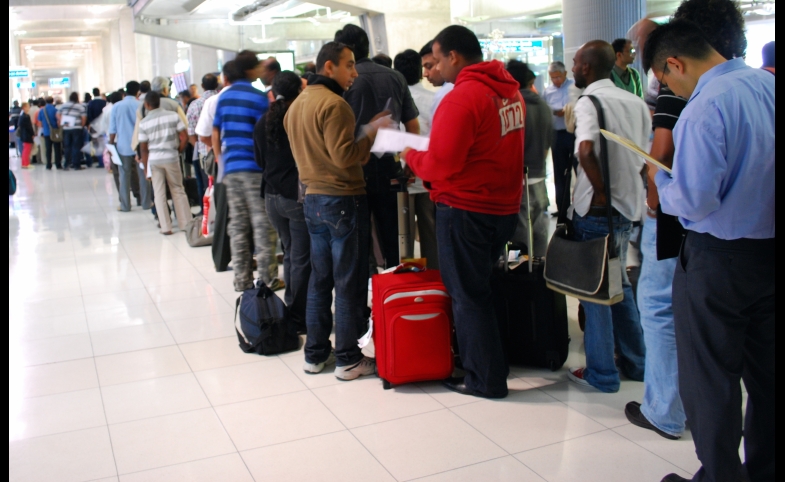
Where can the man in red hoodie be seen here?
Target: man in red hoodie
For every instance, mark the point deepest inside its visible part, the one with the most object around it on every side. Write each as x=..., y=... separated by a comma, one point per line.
x=474, y=173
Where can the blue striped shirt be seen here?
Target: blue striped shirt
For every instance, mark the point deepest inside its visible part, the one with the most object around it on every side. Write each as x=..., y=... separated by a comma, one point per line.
x=239, y=108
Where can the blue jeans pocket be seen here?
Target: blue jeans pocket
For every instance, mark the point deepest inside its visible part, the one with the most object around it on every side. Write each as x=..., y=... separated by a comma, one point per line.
x=338, y=213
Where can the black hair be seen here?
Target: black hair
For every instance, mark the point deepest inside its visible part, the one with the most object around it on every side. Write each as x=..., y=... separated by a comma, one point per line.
x=330, y=51
x=87, y=97
x=427, y=49
x=246, y=60
x=286, y=88
x=115, y=97
x=310, y=67
x=677, y=38
x=768, y=54
x=721, y=22
x=459, y=39
x=132, y=88
x=184, y=93
x=274, y=65
x=50, y=100
x=409, y=63
x=96, y=92
x=232, y=71
x=144, y=86
x=74, y=97
x=521, y=72
x=355, y=38
x=383, y=59
x=41, y=102
x=210, y=82
x=619, y=44
x=153, y=99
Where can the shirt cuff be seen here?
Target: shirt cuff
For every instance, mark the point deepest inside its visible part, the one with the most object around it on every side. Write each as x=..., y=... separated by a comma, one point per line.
x=662, y=179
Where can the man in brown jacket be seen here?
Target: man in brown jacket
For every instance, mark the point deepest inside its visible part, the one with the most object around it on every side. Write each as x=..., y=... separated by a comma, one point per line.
x=321, y=125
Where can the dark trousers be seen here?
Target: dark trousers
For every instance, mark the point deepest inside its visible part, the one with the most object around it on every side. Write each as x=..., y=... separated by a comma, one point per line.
x=72, y=140
x=723, y=305
x=339, y=227
x=58, y=159
x=562, y=151
x=469, y=245
x=383, y=204
x=288, y=219
x=201, y=179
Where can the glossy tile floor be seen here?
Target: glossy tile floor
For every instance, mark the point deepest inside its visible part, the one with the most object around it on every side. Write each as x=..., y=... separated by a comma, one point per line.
x=124, y=366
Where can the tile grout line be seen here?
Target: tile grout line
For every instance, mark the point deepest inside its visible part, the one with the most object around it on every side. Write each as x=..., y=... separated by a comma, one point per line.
x=653, y=453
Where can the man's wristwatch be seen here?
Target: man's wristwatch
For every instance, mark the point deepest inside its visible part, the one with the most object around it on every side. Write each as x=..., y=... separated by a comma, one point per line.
x=652, y=213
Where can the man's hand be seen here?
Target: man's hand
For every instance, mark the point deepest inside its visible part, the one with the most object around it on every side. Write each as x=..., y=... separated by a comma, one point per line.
x=404, y=152
x=559, y=113
x=599, y=199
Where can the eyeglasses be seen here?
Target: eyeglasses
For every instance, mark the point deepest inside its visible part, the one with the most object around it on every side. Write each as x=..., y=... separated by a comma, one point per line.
x=632, y=50
x=665, y=71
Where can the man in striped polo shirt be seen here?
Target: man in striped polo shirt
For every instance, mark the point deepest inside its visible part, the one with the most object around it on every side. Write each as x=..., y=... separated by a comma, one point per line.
x=162, y=137
x=239, y=108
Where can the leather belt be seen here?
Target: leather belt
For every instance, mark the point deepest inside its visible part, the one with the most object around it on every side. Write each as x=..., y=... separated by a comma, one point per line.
x=602, y=211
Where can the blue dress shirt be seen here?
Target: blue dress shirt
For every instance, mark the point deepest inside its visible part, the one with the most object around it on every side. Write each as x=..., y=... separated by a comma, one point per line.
x=122, y=122
x=723, y=168
x=557, y=98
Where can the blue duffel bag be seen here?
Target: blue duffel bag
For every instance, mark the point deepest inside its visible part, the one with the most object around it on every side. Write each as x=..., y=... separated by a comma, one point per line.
x=263, y=323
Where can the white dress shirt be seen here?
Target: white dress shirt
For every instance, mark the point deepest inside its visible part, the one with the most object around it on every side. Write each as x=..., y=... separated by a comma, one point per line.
x=628, y=116
x=204, y=127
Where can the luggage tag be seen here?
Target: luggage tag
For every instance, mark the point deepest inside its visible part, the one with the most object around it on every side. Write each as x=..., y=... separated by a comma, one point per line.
x=366, y=338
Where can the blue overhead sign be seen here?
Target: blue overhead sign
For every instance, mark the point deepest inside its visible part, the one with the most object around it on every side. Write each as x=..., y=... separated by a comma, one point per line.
x=25, y=85
x=17, y=72
x=60, y=82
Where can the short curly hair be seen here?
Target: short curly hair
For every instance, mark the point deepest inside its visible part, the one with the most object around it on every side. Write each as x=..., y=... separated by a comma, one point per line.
x=721, y=21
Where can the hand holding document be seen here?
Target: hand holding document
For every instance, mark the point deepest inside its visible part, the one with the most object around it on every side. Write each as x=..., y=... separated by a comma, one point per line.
x=393, y=140
x=632, y=147
x=115, y=155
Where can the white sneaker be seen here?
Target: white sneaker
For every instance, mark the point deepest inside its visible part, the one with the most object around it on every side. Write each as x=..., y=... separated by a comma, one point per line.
x=313, y=368
x=576, y=376
x=366, y=366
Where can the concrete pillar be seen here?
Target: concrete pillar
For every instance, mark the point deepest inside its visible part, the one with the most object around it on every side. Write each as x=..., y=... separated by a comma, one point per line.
x=144, y=57
x=584, y=20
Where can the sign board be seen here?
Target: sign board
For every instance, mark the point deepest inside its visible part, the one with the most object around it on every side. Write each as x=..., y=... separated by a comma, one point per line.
x=60, y=82
x=25, y=85
x=511, y=44
x=16, y=72
x=285, y=58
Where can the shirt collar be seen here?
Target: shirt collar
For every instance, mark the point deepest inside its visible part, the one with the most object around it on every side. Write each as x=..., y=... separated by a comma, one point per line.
x=716, y=71
x=600, y=84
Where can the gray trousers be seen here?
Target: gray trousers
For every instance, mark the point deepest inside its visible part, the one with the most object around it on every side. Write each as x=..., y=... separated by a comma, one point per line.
x=538, y=195
x=126, y=173
x=425, y=211
x=249, y=227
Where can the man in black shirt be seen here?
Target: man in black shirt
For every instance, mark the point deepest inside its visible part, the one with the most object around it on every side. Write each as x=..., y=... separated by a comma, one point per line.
x=94, y=109
x=378, y=88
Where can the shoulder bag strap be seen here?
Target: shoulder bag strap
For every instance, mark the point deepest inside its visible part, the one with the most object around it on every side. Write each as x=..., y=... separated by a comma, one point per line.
x=606, y=174
x=48, y=122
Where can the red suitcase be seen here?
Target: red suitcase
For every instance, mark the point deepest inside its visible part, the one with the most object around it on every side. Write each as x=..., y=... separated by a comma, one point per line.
x=412, y=327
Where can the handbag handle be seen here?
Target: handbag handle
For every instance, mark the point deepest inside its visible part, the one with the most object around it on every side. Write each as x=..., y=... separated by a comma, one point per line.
x=606, y=175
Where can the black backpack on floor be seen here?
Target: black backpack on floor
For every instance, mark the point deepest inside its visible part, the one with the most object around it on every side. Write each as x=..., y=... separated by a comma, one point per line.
x=263, y=323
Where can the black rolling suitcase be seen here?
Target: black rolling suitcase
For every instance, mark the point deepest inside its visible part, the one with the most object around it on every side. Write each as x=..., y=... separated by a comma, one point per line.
x=222, y=252
x=532, y=318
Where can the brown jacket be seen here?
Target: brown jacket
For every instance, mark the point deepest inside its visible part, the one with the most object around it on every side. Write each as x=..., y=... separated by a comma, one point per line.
x=320, y=125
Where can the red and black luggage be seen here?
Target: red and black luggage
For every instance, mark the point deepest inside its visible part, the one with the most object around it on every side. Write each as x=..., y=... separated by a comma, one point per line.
x=412, y=326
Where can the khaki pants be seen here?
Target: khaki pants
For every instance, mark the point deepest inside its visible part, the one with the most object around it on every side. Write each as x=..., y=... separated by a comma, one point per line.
x=170, y=174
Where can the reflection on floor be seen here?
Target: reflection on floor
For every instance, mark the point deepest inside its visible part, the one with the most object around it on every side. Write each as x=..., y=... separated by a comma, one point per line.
x=124, y=365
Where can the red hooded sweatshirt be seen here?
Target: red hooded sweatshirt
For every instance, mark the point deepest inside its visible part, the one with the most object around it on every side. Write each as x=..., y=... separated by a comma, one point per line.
x=475, y=157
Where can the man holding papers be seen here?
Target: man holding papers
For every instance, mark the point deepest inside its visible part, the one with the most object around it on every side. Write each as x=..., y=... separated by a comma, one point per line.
x=722, y=190
x=616, y=326
x=474, y=173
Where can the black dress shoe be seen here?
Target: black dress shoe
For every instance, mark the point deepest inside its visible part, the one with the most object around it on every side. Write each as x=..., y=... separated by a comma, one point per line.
x=457, y=385
x=674, y=478
x=634, y=415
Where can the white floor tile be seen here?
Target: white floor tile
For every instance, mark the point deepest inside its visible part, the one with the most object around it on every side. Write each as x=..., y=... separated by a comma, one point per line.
x=184, y=290
x=603, y=456
x=680, y=453
x=336, y=456
x=117, y=299
x=203, y=328
x=605, y=408
x=70, y=305
x=119, y=340
x=248, y=381
x=153, y=398
x=224, y=468
x=217, y=353
x=294, y=360
x=52, y=378
x=278, y=419
x=168, y=440
x=51, y=414
x=51, y=350
x=123, y=317
x=37, y=329
x=140, y=365
x=212, y=304
x=364, y=401
x=524, y=421
x=426, y=444
x=505, y=469
x=73, y=456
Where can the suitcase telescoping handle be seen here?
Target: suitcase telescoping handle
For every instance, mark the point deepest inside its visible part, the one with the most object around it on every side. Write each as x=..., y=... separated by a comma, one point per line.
x=529, y=248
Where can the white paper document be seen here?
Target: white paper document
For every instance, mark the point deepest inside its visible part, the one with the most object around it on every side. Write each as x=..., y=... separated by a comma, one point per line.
x=632, y=147
x=392, y=140
x=115, y=155
x=68, y=121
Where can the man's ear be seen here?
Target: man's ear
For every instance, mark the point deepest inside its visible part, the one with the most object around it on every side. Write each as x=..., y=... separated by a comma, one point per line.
x=676, y=65
x=328, y=68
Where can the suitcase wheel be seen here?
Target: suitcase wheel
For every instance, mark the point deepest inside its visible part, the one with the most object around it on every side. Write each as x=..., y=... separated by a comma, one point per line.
x=386, y=385
x=553, y=365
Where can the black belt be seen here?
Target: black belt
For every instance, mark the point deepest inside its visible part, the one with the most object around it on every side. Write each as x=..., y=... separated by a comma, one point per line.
x=602, y=211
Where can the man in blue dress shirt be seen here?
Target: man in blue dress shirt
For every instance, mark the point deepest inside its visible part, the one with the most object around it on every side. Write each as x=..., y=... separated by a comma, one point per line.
x=557, y=95
x=722, y=190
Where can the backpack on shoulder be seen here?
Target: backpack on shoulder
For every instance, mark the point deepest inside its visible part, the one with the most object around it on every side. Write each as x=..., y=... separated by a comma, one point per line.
x=263, y=323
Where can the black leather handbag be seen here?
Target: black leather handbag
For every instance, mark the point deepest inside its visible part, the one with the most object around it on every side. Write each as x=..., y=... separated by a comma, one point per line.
x=587, y=270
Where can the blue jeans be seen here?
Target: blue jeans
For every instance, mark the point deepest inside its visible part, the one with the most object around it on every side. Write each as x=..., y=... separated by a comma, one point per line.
x=617, y=325
x=340, y=237
x=73, y=142
x=288, y=219
x=470, y=243
x=661, y=402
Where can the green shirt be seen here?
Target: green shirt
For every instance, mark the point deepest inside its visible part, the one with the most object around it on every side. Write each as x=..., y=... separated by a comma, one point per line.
x=633, y=84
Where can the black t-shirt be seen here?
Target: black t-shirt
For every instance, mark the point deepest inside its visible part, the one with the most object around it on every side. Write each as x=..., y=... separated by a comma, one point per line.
x=280, y=171
x=669, y=230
